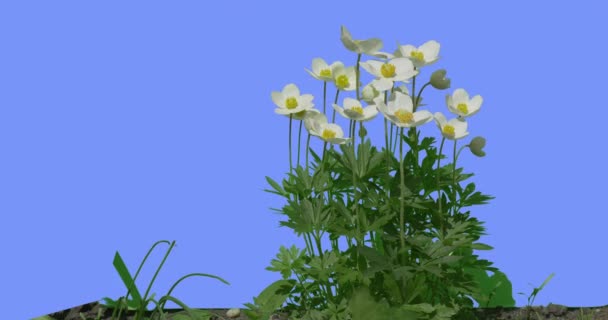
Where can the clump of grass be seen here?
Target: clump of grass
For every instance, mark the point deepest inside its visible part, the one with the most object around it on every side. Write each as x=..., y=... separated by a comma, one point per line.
x=139, y=304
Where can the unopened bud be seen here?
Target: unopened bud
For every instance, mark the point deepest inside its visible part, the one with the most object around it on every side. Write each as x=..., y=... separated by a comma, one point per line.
x=439, y=81
x=362, y=132
x=476, y=145
x=369, y=93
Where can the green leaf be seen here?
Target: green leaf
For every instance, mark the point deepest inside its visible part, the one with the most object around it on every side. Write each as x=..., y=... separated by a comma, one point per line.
x=275, y=294
x=481, y=246
x=269, y=300
x=496, y=291
x=287, y=260
x=277, y=187
x=122, y=270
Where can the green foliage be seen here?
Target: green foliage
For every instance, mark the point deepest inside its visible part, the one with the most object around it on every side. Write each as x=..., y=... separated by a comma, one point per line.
x=433, y=276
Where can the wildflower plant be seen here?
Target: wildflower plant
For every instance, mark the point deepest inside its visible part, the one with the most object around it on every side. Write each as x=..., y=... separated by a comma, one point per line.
x=381, y=204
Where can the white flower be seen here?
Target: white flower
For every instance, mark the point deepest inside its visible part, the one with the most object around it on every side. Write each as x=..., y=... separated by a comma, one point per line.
x=460, y=104
x=289, y=101
x=424, y=55
x=398, y=69
x=369, y=46
x=322, y=71
x=454, y=129
x=345, y=78
x=399, y=111
x=317, y=126
x=353, y=110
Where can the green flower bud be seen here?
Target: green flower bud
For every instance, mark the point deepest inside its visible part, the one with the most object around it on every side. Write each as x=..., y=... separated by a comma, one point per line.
x=476, y=145
x=439, y=81
x=369, y=93
x=362, y=132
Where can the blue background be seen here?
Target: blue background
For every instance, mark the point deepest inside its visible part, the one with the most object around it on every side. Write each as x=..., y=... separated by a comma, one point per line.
x=127, y=122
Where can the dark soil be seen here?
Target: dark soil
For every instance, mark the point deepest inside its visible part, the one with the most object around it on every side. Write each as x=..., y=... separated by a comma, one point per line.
x=552, y=311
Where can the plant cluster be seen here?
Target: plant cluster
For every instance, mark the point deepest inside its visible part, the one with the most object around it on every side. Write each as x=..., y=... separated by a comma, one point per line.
x=381, y=204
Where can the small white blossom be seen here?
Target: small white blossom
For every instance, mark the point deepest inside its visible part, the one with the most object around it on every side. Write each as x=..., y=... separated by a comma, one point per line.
x=369, y=46
x=322, y=71
x=317, y=126
x=353, y=110
x=289, y=101
x=424, y=55
x=399, y=111
x=460, y=104
x=454, y=129
x=398, y=69
x=345, y=78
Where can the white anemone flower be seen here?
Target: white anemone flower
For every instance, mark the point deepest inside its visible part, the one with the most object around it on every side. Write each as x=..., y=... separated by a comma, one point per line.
x=398, y=69
x=369, y=46
x=289, y=101
x=353, y=110
x=422, y=56
x=322, y=71
x=454, y=129
x=317, y=125
x=345, y=78
x=399, y=111
x=460, y=104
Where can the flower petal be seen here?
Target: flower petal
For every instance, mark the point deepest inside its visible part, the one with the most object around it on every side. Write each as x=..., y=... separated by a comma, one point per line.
x=382, y=84
x=460, y=96
x=278, y=98
x=318, y=64
x=422, y=117
x=291, y=90
x=430, y=49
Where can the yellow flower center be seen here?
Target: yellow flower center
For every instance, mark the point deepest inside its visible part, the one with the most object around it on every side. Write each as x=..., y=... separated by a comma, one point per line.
x=404, y=116
x=328, y=134
x=291, y=103
x=357, y=109
x=342, y=81
x=325, y=73
x=417, y=55
x=448, y=130
x=387, y=70
x=463, y=108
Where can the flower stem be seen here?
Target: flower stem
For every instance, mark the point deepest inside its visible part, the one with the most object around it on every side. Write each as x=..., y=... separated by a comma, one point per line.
x=299, y=136
x=324, y=96
x=333, y=118
x=358, y=75
x=307, y=151
x=402, y=185
x=454, y=181
x=290, y=164
x=355, y=202
x=439, y=188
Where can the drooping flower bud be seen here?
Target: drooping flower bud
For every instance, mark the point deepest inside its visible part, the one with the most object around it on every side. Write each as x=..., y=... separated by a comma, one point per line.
x=476, y=145
x=439, y=81
x=369, y=93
